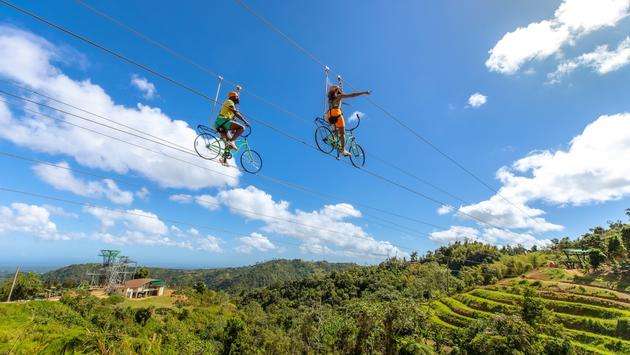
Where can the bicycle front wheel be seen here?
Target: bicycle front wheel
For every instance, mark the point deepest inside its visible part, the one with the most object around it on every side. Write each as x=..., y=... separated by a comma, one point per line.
x=251, y=161
x=324, y=139
x=208, y=146
x=357, y=156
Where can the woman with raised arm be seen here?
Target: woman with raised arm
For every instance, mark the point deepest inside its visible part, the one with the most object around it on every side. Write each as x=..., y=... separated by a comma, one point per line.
x=334, y=115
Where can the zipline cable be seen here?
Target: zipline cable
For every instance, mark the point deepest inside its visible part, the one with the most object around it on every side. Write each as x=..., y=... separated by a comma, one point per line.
x=184, y=58
x=425, y=140
x=284, y=183
x=77, y=116
x=206, y=70
x=168, y=156
x=194, y=91
x=376, y=175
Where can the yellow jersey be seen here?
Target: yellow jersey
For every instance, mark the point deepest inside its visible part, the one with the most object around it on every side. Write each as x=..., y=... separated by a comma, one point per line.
x=227, y=109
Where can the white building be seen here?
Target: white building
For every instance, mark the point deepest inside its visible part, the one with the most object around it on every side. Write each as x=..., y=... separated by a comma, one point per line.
x=138, y=288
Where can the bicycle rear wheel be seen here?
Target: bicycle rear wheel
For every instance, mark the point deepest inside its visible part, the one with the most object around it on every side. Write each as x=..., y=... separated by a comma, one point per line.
x=251, y=161
x=357, y=156
x=324, y=139
x=208, y=146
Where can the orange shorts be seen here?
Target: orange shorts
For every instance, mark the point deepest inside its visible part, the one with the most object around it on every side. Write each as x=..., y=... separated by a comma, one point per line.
x=335, y=117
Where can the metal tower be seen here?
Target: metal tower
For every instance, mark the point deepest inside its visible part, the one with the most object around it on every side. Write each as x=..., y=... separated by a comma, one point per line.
x=114, y=271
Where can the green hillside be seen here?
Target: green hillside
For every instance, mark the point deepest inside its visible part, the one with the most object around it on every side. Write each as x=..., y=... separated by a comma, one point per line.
x=591, y=318
x=229, y=279
x=465, y=298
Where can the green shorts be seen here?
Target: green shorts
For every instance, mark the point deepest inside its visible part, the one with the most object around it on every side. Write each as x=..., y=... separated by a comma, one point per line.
x=222, y=123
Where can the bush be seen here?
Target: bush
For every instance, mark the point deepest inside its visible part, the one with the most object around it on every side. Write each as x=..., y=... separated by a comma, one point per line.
x=113, y=299
x=596, y=257
x=533, y=308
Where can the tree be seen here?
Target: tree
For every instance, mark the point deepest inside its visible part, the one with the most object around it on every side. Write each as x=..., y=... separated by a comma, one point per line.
x=414, y=256
x=596, y=257
x=141, y=273
x=625, y=236
x=200, y=287
x=628, y=212
x=231, y=333
x=27, y=286
x=616, y=249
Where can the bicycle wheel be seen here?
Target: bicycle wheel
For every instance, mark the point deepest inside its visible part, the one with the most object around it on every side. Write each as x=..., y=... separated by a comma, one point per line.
x=324, y=139
x=357, y=156
x=208, y=146
x=251, y=161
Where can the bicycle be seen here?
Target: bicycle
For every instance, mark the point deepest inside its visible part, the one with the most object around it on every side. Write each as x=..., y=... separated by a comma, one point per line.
x=209, y=145
x=327, y=140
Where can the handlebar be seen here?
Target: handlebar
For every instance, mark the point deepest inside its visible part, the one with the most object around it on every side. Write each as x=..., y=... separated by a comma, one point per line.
x=358, y=123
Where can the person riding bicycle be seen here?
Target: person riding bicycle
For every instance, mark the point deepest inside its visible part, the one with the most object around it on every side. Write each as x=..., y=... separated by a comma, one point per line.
x=225, y=121
x=334, y=115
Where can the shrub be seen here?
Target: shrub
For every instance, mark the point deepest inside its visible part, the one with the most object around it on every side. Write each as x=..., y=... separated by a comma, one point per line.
x=596, y=257
x=113, y=299
x=533, y=308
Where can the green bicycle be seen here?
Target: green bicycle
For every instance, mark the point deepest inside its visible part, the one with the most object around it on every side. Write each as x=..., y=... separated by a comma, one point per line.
x=209, y=145
x=327, y=140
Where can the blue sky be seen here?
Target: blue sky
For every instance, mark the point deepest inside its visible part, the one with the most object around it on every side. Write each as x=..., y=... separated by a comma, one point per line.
x=549, y=126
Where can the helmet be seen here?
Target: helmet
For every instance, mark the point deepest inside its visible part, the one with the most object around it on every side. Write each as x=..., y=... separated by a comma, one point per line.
x=233, y=95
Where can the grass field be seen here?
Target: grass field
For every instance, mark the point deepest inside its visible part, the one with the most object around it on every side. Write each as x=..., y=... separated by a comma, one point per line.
x=157, y=302
x=593, y=318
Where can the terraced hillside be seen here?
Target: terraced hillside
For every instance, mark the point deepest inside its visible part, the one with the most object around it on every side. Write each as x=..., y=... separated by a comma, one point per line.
x=596, y=320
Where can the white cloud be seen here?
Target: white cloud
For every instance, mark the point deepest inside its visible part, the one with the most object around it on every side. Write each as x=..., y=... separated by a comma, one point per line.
x=207, y=201
x=210, y=243
x=181, y=198
x=594, y=169
x=539, y=40
x=353, y=117
x=315, y=229
x=30, y=60
x=477, y=100
x=32, y=220
x=513, y=214
x=454, y=234
x=138, y=227
x=255, y=241
x=601, y=60
x=58, y=211
x=489, y=236
x=133, y=219
x=145, y=86
x=63, y=179
x=444, y=209
x=143, y=193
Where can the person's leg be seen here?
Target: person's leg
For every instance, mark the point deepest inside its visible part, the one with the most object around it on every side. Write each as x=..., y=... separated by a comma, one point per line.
x=341, y=131
x=237, y=130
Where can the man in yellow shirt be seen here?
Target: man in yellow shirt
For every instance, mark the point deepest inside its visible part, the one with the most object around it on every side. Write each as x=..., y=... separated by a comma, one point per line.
x=225, y=121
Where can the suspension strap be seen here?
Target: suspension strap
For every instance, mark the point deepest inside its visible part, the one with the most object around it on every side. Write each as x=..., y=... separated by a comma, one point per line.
x=326, y=72
x=216, y=99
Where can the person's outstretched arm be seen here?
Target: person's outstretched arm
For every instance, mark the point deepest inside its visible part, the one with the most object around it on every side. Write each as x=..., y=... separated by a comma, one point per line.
x=354, y=94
